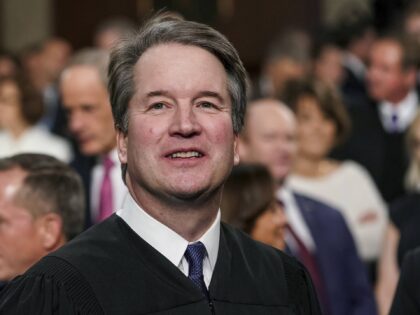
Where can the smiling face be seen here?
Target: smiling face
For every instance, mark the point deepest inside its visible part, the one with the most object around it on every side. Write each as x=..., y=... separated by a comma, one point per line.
x=270, y=227
x=316, y=133
x=180, y=142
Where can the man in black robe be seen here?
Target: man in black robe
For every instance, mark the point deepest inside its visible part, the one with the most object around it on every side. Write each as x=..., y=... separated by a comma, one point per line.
x=178, y=94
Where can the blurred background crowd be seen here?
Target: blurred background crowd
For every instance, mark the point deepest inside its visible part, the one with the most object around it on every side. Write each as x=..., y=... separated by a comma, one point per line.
x=330, y=153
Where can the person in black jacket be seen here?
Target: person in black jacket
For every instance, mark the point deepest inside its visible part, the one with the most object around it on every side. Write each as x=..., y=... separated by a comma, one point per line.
x=178, y=94
x=407, y=296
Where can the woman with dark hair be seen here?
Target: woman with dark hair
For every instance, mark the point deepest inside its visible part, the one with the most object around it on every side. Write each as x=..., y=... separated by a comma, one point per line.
x=249, y=204
x=322, y=124
x=20, y=109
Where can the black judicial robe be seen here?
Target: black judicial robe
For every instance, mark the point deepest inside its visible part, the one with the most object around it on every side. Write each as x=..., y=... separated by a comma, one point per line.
x=109, y=269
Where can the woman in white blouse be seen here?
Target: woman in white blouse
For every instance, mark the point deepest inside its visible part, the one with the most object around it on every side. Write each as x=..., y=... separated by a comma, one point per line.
x=322, y=124
x=20, y=109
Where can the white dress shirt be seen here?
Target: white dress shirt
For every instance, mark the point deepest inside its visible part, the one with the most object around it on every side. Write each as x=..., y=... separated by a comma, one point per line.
x=168, y=242
x=119, y=190
x=405, y=110
x=295, y=219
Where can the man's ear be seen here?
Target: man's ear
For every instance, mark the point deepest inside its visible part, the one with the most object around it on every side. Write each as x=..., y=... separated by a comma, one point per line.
x=50, y=231
x=236, y=158
x=242, y=148
x=122, y=146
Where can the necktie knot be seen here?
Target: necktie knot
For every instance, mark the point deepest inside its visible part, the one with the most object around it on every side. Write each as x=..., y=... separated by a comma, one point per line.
x=195, y=255
x=108, y=163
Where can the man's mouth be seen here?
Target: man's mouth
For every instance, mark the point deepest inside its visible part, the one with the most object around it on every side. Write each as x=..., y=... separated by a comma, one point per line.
x=185, y=155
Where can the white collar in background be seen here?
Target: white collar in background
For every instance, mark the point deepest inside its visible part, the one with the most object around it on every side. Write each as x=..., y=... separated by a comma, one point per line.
x=406, y=111
x=162, y=238
x=295, y=218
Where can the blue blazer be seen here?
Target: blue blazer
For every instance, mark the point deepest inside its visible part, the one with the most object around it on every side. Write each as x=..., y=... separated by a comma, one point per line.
x=345, y=277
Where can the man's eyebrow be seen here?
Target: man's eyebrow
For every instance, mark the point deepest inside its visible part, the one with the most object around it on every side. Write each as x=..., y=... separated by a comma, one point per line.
x=210, y=94
x=157, y=93
x=198, y=95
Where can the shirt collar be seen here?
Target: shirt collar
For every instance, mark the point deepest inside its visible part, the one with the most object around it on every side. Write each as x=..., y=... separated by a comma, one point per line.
x=162, y=238
x=405, y=110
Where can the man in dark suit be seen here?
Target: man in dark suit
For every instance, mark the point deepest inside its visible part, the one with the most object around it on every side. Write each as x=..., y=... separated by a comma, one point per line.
x=377, y=139
x=83, y=87
x=178, y=94
x=407, y=296
x=318, y=234
x=355, y=34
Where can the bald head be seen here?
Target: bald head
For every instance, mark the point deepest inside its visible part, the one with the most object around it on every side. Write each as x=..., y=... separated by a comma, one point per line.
x=269, y=136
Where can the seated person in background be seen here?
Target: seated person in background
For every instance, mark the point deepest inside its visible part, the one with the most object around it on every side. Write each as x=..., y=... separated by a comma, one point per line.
x=407, y=297
x=248, y=203
x=41, y=208
x=322, y=123
x=403, y=230
x=20, y=110
x=317, y=234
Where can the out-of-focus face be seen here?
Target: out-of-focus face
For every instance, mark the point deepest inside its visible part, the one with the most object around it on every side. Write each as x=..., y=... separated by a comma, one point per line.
x=328, y=67
x=107, y=39
x=10, y=112
x=386, y=78
x=86, y=100
x=316, y=133
x=284, y=70
x=20, y=235
x=270, y=227
x=55, y=56
x=7, y=67
x=180, y=143
x=270, y=138
x=412, y=26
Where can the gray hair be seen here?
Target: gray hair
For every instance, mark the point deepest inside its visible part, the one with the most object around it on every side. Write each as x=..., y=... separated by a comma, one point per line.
x=169, y=28
x=412, y=177
x=49, y=186
x=94, y=57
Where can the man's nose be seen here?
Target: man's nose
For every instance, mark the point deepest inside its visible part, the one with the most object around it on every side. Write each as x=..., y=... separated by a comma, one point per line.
x=75, y=122
x=184, y=122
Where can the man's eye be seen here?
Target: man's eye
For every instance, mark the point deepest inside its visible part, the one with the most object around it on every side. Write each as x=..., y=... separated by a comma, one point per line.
x=207, y=105
x=157, y=106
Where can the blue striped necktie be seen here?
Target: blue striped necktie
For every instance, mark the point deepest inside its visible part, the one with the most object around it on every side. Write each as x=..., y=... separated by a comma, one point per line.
x=194, y=255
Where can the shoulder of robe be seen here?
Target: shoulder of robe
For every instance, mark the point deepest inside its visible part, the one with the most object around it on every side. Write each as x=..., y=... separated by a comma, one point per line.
x=52, y=286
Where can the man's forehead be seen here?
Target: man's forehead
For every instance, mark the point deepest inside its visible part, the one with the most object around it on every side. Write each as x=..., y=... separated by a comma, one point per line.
x=11, y=181
x=176, y=63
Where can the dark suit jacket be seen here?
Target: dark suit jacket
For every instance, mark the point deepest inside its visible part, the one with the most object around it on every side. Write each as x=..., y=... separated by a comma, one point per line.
x=84, y=165
x=383, y=154
x=249, y=278
x=345, y=276
x=353, y=90
x=407, y=296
